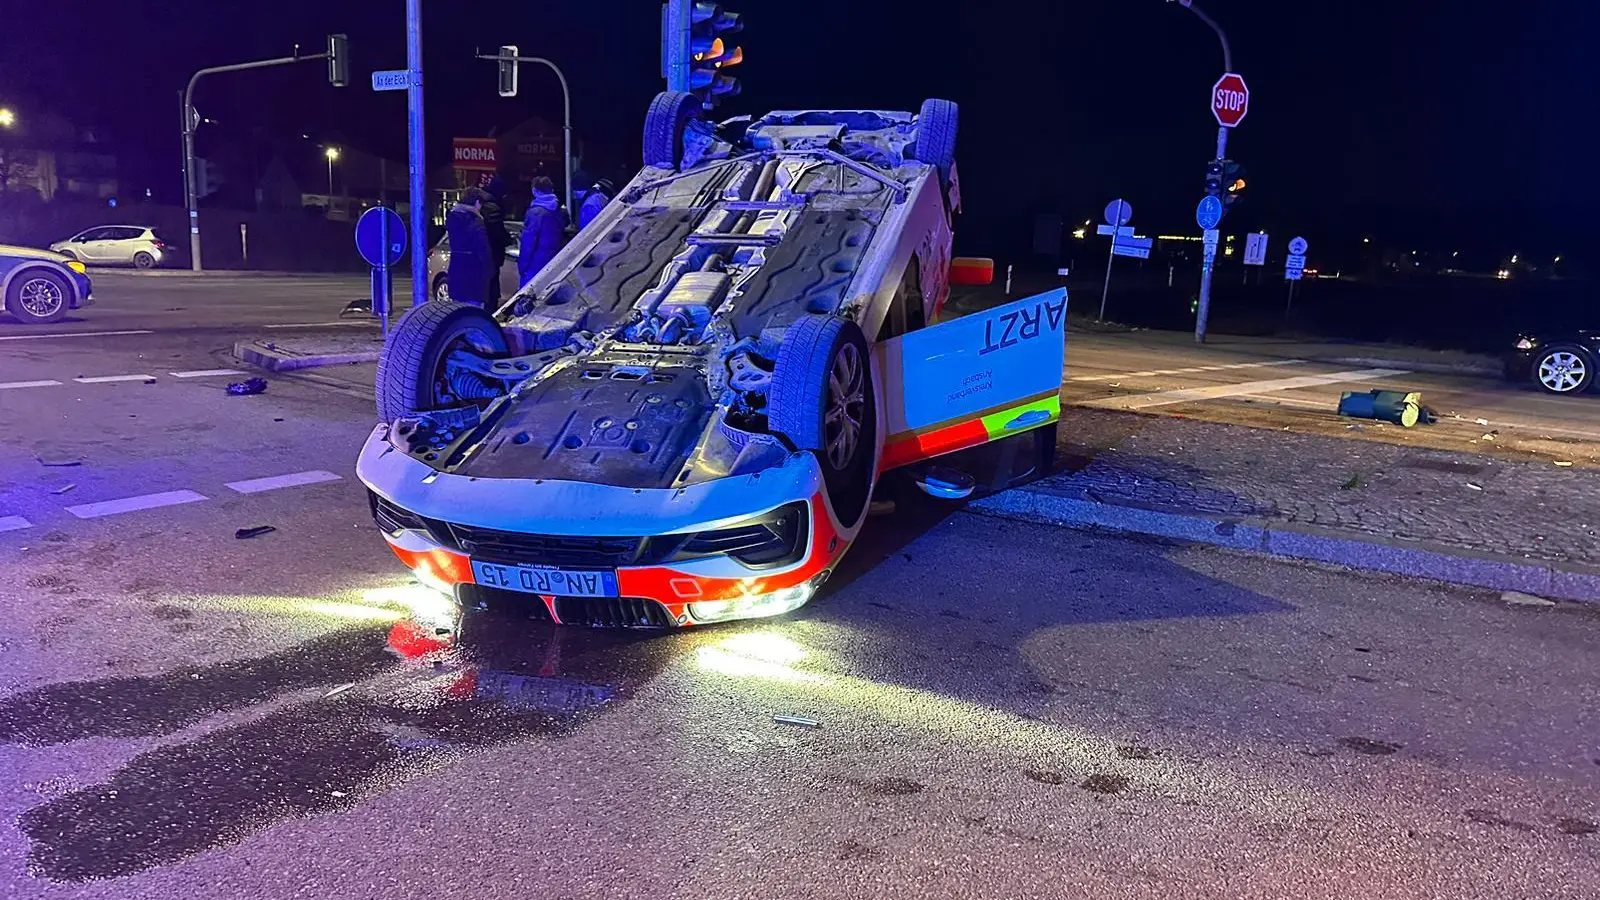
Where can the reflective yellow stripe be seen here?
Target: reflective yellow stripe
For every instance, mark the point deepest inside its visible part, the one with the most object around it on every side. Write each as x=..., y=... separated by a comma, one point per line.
x=995, y=423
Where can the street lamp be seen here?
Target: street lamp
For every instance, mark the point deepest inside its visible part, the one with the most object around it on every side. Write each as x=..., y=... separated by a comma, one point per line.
x=7, y=118
x=332, y=153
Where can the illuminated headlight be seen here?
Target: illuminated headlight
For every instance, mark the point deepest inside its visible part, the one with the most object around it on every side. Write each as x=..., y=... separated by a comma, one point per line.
x=1525, y=344
x=78, y=267
x=753, y=606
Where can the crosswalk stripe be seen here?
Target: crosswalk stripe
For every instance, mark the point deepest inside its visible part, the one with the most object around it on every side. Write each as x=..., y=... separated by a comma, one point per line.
x=16, y=385
x=1167, y=398
x=296, y=479
x=67, y=334
x=112, y=379
x=134, y=504
x=205, y=373
x=1189, y=371
x=14, y=523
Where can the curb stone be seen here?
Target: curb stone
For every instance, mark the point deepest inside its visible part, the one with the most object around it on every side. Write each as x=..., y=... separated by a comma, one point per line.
x=267, y=356
x=1566, y=581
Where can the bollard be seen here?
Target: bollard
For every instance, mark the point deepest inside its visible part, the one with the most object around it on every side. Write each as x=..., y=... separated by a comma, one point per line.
x=1401, y=408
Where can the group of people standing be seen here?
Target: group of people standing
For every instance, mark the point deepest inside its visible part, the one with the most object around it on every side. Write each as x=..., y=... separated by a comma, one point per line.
x=479, y=239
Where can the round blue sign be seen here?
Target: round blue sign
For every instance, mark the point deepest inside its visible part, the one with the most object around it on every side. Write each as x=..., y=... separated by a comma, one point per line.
x=1119, y=212
x=1209, y=212
x=381, y=236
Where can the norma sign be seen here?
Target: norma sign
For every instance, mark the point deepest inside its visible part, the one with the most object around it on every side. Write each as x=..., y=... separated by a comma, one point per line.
x=1230, y=100
x=477, y=153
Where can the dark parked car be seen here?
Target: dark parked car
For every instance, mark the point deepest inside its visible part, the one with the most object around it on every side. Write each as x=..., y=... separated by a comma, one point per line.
x=1561, y=362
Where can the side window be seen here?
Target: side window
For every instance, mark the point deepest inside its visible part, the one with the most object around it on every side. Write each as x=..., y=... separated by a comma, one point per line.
x=127, y=234
x=905, y=310
x=97, y=234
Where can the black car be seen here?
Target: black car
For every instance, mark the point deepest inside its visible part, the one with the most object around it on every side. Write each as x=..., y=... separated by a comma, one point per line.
x=1560, y=362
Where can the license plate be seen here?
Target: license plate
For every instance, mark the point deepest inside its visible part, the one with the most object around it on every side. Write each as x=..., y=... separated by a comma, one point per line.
x=545, y=580
x=551, y=695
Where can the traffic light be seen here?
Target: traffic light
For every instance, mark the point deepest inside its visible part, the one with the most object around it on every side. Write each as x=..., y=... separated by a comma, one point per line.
x=338, y=60
x=709, y=54
x=508, y=70
x=1214, y=173
x=1233, y=182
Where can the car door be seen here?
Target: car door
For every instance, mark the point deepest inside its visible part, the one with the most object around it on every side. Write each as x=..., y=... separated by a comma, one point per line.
x=91, y=245
x=982, y=377
x=120, y=244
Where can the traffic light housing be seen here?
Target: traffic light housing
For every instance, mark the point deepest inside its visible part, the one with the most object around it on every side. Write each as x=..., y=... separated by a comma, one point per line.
x=338, y=60
x=508, y=70
x=1233, y=182
x=1214, y=174
x=710, y=54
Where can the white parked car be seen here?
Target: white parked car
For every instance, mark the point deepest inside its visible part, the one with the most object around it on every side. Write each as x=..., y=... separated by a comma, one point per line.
x=116, y=245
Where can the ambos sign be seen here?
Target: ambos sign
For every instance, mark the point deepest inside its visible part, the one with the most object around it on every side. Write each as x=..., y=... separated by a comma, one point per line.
x=480, y=154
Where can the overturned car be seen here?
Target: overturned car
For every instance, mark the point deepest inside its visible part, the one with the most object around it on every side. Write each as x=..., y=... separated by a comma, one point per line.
x=682, y=418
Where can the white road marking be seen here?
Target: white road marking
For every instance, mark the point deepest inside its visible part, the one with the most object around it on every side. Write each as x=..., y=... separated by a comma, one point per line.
x=68, y=334
x=1188, y=371
x=257, y=485
x=111, y=379
x=134, y=504
x=14, y=385
x=1190, y=395
x=322, y=324
x=14, y=523
x=205, y=373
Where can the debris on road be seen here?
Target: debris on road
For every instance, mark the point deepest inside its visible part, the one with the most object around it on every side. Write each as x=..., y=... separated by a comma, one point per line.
x=1352, y=484
x=247, y=388
x=1517, y=598
x=1564, y=463
x=60, y=462
x=1481, y=421
x=1399, y=407
x=797, y=721
x=255, y=531
x=339, y=690
x=63, y=489
x=1474, y=486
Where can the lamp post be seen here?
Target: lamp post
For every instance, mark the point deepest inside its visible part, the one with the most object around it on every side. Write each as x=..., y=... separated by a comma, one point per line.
x=332, y=154
x=8, y=119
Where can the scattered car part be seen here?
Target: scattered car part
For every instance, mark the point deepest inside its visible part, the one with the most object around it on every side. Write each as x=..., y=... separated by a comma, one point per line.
x=1399, y=407
x=253, y=531
x=248, y=388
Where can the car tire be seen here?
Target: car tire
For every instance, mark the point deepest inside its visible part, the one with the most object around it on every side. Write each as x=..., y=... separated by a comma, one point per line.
x=143, y=260
x=410, y=368
x=821, y=384
x=441, y=289
x=1563, y=369
x=38, y=296
x=664, y=124
x=937, y=124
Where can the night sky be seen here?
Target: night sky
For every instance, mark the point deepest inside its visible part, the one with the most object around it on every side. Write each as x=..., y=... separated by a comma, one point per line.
x=1416, y=120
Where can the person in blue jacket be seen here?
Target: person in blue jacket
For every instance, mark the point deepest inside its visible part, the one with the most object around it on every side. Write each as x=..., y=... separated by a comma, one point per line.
x=468, y=275
x=591, y=199
x=542, y=231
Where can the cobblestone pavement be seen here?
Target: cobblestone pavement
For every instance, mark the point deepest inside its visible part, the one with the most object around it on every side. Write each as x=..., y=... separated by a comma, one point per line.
x=1533, y=509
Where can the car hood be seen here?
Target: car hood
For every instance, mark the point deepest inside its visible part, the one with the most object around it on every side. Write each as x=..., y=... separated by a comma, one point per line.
x=31, y=253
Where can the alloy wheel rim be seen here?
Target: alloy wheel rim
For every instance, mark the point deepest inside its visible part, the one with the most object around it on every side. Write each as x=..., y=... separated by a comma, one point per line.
x=41, y=297
x=1562, y=371
x=846, y=403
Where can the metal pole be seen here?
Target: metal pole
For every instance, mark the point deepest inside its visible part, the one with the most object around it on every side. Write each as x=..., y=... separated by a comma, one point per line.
x=418, y=157
x=190, y=192
x=1116, y=222
x=1289, y=303
x=566, y=116
x=1204, y=310
x=330, y=180
x=675, y=39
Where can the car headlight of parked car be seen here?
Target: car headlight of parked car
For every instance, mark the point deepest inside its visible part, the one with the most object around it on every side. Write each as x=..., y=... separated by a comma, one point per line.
x=1526, y=343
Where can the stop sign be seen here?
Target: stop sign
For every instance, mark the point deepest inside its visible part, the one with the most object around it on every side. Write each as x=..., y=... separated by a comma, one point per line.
x=1230, y=100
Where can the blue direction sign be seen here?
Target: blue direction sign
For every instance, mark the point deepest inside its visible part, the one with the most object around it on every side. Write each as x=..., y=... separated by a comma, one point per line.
x=381, y=236
x=1209, y=213
x=395, y=79
x=1137, y=247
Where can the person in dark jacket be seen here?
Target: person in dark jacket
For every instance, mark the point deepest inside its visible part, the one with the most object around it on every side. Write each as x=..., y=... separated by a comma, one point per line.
x=468, y=275
x=494, y=225
x=542, y=231
x=591, y=200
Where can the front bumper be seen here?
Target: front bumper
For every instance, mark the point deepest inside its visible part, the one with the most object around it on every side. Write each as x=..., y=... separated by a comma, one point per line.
x=436, y=534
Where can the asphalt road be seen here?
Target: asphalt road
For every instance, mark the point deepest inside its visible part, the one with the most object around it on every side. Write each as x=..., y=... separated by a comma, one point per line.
x=1003, y=710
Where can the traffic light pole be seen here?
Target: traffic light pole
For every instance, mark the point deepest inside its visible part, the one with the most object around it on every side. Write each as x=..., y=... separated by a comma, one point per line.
x=191, y=192
x=418, y=157
x=675, y=27
x=1204, y=311
x=566, y=118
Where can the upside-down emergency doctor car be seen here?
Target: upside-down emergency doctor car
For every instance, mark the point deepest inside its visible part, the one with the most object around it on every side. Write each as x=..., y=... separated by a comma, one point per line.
x=682, y=418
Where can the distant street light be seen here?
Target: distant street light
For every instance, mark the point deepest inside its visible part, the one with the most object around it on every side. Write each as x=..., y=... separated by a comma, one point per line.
x=332, y=153
x=7, y=118
x=1366, y=240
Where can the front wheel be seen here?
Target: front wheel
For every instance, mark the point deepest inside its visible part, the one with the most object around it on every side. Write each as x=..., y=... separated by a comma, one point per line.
x=39, y=297
x=1564, y=369
x=822, y=400
x=414, y=374
x=441, y=289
